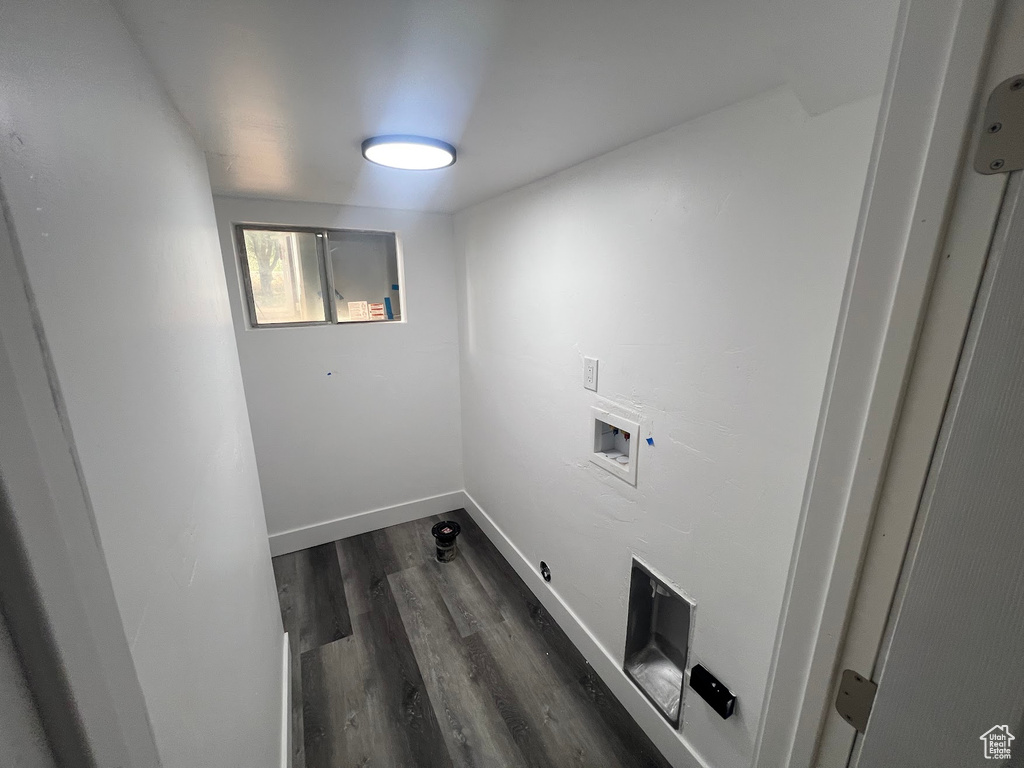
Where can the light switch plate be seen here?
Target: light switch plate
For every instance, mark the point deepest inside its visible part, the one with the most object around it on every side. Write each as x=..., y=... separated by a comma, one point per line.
x=590, y=373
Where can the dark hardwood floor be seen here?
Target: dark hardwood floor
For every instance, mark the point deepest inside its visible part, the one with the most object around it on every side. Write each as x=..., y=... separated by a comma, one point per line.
x=399, y=661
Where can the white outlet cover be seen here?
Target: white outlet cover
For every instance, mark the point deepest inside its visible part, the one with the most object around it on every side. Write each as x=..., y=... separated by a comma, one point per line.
x=590, y=373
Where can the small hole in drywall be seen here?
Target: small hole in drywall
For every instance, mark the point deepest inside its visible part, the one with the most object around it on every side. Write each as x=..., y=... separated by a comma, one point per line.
x=545, y=571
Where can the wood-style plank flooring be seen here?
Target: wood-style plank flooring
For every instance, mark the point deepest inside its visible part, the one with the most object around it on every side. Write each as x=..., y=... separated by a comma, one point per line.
x=399, y=661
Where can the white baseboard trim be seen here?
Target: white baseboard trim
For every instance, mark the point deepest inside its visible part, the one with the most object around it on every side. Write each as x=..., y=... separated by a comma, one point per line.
x=286, y=704
x=672, y=743
x=363, y=522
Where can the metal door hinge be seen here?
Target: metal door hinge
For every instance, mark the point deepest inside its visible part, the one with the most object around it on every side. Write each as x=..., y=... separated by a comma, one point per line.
x=855, y=698
x=1001, y=146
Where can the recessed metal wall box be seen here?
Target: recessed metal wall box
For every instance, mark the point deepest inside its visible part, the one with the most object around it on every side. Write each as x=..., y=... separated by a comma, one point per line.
x=657, y=640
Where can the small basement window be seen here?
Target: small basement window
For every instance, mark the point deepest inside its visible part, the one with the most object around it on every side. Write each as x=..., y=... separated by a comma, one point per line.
x=303, y=276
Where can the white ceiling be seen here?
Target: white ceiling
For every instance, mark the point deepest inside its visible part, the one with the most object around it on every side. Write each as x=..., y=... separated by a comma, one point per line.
x=281, y=93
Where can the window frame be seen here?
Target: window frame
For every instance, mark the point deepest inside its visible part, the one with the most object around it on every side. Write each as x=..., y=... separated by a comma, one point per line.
x=326, y=273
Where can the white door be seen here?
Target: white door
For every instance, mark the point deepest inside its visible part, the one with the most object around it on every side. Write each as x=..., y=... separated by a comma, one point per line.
x=953, y=663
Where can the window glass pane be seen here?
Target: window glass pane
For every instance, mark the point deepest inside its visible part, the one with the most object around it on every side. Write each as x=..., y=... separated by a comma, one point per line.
x=284, y=272
x=365, y=266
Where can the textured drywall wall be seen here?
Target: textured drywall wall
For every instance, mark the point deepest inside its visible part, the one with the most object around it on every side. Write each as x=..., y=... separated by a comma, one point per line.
x=704, y=268
x=110, y=207
x=383, y=428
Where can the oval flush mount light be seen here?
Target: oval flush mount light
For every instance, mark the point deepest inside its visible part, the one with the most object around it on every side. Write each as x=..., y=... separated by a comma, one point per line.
x=411, y=153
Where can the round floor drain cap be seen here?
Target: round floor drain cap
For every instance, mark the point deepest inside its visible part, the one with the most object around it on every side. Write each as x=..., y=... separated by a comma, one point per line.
x=445, y=531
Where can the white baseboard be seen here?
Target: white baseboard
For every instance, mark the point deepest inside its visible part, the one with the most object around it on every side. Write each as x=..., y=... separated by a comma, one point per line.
x=672, y=743
x=286, y=704
x=363, y=522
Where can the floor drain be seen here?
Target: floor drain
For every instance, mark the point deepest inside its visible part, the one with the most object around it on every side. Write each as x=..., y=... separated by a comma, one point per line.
x=445, y=534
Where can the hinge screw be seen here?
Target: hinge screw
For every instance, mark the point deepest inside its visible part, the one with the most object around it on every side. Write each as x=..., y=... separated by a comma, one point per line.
x=995, y=165
x=995, y=128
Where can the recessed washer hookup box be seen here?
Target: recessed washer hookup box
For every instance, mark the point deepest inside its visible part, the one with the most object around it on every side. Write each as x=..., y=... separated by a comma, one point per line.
x=658, y=629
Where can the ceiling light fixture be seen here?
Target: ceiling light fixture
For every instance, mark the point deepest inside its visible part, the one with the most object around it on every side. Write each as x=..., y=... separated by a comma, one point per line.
x=411, y=153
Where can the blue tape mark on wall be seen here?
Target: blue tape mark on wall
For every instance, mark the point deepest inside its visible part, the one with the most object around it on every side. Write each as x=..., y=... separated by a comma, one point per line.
x=650, y=441
x=394, y=287
x=387, y=308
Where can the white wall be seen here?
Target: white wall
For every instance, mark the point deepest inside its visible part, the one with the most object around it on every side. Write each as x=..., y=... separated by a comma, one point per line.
x=108, y=199
x=704, y=267
x=383, y=429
